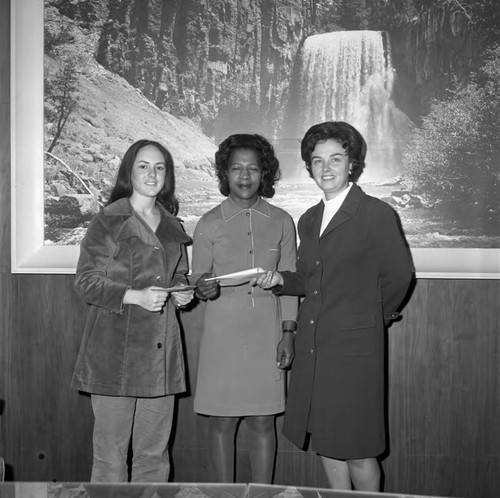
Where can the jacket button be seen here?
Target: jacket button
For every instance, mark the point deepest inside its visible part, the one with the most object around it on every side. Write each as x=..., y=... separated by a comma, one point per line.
x=311, y=322
x=159, y=345
x=317, y=263
x=315, y=292
x=311, y=350
x=159, y=278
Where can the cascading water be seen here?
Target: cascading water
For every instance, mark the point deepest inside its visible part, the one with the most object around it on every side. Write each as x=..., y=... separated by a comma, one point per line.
x=348, y=76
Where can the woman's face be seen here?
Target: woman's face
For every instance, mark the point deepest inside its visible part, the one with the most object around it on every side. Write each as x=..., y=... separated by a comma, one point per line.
x=148, y=172
x=244, y=174
x=330, y=167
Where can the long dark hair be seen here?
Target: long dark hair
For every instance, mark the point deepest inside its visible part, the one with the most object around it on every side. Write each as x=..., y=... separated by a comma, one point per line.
x=123, y=185
x=268, y=162
x=343, y=133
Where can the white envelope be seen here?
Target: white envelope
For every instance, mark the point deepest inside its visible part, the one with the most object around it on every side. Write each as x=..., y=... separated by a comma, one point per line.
x=239, y=277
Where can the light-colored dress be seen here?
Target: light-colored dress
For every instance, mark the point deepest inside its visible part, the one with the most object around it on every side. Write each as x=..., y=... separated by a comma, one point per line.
x=237, y=372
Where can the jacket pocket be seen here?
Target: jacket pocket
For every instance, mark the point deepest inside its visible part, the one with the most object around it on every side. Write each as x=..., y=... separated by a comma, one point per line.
x=354, y=335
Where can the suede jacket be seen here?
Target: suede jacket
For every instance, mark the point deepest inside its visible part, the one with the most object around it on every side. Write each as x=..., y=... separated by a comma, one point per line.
x=127, y=350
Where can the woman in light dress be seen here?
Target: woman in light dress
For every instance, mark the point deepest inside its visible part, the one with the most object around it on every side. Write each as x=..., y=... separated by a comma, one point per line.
x=248, y=332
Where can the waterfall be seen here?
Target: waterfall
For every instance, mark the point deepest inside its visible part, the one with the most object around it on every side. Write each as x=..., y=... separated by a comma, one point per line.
x=348, y=76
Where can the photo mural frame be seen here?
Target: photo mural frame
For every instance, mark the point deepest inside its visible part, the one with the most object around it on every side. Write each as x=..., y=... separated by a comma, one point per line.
x=31, y=255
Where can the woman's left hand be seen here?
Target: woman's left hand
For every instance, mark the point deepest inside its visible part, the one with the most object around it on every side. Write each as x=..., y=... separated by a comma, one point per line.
x=285, y=351
x=182, y=298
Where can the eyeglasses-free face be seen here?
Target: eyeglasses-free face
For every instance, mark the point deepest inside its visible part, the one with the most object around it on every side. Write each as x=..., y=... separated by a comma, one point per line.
x=330, y=167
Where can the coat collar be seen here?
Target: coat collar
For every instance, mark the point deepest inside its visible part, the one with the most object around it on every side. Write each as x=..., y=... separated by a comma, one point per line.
x=169, y=229
x=230, y=209
x=347, y=210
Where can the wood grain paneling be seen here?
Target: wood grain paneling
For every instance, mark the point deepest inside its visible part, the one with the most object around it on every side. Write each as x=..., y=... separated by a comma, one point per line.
x=49, y=424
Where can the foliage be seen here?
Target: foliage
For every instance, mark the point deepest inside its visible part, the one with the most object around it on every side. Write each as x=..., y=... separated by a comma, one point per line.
x=453, y=158
x=331, y=15
x=61, y=97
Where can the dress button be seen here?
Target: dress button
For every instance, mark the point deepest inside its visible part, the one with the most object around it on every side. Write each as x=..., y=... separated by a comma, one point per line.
x=159, y=345
x=311, y=321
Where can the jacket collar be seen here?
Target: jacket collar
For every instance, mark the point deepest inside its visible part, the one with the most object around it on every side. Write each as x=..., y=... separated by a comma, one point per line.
x=230, y=209
x=347, y=210
x=169, y=229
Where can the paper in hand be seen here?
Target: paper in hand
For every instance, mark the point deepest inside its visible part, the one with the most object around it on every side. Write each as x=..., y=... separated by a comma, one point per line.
x=239, y=277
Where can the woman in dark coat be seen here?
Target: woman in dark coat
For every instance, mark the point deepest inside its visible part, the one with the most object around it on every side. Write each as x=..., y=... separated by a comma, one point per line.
x=131, y=358
x=354, y=269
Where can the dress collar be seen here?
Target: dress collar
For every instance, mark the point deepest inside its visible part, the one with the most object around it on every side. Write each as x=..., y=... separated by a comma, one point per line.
x=230, y=209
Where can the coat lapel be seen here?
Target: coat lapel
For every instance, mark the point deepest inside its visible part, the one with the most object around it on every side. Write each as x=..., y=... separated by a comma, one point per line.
x=312, y=224
x=347, y=210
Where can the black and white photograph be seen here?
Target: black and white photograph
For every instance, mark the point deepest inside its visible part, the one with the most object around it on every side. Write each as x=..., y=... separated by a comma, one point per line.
x=249, y=248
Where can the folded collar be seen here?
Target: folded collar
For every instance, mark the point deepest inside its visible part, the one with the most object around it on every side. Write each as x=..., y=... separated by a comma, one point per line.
x=230, y=209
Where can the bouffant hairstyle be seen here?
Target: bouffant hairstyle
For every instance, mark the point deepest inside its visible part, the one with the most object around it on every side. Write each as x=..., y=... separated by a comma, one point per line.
x=123, y=185
x=265, y=155
x=343, y=133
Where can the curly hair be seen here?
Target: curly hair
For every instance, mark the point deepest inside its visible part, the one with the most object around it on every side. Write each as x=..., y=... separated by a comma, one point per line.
x=123, y=185
x=343, y=133
x=268, y=162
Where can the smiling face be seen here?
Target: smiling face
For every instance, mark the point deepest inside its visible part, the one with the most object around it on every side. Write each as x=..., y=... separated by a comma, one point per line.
x=148, y=172
x=330, y=167
x=244, y=174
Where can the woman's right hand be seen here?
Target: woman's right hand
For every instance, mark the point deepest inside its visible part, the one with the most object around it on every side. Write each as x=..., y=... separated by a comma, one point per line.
x=207, y=290
x=268, y=279
x=151, y=298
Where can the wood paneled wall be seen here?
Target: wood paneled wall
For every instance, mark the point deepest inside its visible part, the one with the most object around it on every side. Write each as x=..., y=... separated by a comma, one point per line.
x=444, y=379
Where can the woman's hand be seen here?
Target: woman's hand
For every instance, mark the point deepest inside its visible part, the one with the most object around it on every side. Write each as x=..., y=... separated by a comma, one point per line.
x=181, y=298
x=285, y=351
x=151, y=298
x=207, y=290
x=268, y=279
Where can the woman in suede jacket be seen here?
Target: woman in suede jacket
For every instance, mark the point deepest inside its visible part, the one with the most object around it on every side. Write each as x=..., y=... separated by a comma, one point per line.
x=131, y=358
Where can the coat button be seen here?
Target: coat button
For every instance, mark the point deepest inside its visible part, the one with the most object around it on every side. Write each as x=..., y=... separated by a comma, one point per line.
x=159, y=345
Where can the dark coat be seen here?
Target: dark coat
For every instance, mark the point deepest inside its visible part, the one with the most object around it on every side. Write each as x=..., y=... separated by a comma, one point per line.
x=127, y=350
x=358, y=271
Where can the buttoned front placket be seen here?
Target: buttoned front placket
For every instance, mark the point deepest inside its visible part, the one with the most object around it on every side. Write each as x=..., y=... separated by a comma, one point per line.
x=251, y=251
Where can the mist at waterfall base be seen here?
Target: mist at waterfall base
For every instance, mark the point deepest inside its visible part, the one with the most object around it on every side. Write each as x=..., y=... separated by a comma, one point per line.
x=345, y=76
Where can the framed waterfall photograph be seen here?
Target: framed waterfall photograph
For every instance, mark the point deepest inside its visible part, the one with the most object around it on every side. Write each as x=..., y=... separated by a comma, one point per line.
x=91, y=77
